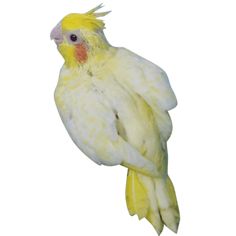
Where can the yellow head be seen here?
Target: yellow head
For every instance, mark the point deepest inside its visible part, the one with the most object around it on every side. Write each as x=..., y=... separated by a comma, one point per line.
x=79, y=36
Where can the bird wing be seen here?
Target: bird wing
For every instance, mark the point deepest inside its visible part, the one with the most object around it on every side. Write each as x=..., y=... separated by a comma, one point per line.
x=92, y=125
x=151, y=83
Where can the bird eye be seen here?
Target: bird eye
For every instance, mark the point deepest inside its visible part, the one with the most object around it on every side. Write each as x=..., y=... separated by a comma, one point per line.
x=73, y=37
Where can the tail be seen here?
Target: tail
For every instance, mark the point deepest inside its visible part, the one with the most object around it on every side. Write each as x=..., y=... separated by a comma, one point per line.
x=153, y=199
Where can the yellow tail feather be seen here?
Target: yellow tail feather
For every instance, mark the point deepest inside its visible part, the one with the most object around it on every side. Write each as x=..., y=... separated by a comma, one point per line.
x=153, y=199
x=136, y=196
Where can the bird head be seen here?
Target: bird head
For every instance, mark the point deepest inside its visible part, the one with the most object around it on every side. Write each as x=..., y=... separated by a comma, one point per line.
x=80, y=36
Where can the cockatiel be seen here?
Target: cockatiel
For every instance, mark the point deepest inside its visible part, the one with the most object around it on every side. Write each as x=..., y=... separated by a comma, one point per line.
x=114, y=105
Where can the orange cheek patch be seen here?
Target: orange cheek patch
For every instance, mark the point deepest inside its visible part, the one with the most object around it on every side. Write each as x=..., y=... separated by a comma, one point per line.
x=81, y=52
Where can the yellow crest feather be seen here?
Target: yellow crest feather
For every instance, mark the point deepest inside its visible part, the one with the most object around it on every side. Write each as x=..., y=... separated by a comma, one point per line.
x=88, y=20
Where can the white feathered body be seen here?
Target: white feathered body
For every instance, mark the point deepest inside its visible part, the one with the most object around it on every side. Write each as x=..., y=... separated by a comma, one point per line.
x=115, y=109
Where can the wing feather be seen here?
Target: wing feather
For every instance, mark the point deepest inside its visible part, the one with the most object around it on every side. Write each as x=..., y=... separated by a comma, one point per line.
x=152, y=83
x=92, y=126
x=148, y=80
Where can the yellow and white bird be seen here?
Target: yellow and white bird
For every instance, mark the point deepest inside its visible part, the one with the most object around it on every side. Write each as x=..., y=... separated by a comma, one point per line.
x=114, y=105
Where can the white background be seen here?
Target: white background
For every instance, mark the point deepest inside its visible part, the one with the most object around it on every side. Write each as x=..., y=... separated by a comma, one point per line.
x=48, y=187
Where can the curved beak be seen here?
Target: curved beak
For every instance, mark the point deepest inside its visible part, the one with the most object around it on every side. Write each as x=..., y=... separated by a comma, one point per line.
x=56, y=34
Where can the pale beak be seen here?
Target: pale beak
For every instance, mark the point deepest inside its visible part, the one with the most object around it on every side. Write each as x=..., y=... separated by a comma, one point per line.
x=56, y=34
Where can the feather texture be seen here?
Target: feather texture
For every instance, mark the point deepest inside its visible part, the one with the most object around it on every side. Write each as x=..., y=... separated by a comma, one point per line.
x=115, y=108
